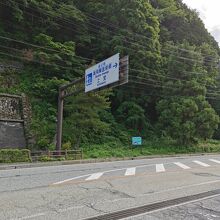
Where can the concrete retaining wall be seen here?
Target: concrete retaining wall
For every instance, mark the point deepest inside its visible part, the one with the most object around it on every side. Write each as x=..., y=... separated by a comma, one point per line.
x=12, y=135
x=15, y=116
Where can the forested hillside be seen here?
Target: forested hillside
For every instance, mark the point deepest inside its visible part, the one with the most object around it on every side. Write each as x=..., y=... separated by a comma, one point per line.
x=173, y=90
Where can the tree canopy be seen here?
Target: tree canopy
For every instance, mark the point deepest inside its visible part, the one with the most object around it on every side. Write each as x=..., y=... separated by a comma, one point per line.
x=173, y=87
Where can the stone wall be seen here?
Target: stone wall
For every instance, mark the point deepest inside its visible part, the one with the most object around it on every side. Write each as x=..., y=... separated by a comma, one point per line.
x=10, y=108
x=27, y=116
x=10, y=66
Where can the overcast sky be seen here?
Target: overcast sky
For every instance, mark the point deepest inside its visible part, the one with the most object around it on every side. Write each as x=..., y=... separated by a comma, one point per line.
x=209, y=11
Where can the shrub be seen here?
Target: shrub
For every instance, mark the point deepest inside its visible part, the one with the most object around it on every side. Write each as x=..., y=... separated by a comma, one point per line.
x=14, y=155
x=67, y=146
x=43, y=143
x=45, y=159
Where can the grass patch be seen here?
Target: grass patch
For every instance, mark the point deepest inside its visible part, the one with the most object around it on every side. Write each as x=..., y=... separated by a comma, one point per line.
x=156, y=147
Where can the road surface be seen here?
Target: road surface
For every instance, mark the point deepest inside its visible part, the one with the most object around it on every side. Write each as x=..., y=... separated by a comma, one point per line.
x=74, y=192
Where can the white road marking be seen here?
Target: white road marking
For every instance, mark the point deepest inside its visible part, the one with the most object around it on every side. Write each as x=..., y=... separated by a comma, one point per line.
x=94, y=176
x=68, y=180
x=130, y=171
x=30, y=216
x=108, y=171
x=215, y=161
x=160, y=168
x=182, y=165
x=201, y=163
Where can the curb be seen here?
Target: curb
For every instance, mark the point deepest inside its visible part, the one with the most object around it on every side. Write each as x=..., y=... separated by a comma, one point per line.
x=90, y=161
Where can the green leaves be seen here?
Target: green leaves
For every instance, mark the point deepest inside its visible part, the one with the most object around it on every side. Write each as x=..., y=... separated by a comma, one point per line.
x=172, y=67
x=132, y=116
x=185, y=114
x=187, y=119
x=82, y=120
x=59, y=56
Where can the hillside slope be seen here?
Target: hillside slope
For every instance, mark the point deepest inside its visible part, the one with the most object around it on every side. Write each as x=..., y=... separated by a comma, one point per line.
x=173, y=88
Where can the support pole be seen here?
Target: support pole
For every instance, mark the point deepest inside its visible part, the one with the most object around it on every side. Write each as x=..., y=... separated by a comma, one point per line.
x=61, y=97
x=59, y=121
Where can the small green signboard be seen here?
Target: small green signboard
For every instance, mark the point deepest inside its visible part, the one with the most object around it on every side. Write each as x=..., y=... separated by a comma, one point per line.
x=136, y=141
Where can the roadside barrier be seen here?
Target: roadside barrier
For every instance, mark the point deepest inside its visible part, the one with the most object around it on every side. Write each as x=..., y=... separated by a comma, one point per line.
x=57, y=155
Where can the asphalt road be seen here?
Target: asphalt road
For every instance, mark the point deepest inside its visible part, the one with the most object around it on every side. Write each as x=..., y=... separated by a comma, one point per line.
x=201, y=210
x=83, y=191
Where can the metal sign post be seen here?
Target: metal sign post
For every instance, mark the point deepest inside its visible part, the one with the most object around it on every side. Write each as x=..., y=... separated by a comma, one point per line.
x=110, y=73
x=64, y=93
x=59, y=120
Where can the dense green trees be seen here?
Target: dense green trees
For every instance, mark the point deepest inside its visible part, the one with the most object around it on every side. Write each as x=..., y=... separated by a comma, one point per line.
x=185, y=114
x=174, y=87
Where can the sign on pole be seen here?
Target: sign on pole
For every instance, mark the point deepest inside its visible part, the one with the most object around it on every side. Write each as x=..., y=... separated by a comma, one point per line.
x=136, y=141
x=102, y=74
x=109, y=73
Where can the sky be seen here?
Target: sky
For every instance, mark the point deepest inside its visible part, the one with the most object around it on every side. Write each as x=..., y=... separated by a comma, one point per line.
x=209, y=11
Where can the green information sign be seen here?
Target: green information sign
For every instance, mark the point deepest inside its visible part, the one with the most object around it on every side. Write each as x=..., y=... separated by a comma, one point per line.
x=136, y=141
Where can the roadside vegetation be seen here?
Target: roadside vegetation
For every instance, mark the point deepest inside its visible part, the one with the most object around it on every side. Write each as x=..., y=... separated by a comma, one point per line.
x=149, y=148
x=14, y=156
x=172, y=99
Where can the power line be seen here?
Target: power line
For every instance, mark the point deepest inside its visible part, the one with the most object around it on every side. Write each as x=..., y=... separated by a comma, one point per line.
x=157, y=81
x=134, y=33
x=152, y=85
x=139, y=71
x=46, y=48
x=159, y=75
x=94, y=30
x=165, y=86
x=128, y=41
x=41, y=47
x=135, y=70
x=141, y=83
x=59, y=51
x=180, y=80
x=169, y=54
x=83, y=58
x=142, y=92
x=22, y=56
x=67, y=21
x=181, y=62
x=143, y=36
x=35, y=61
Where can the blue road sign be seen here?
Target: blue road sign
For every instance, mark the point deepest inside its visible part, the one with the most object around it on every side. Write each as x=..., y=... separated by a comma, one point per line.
x=136, y=141
x=102, y=74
